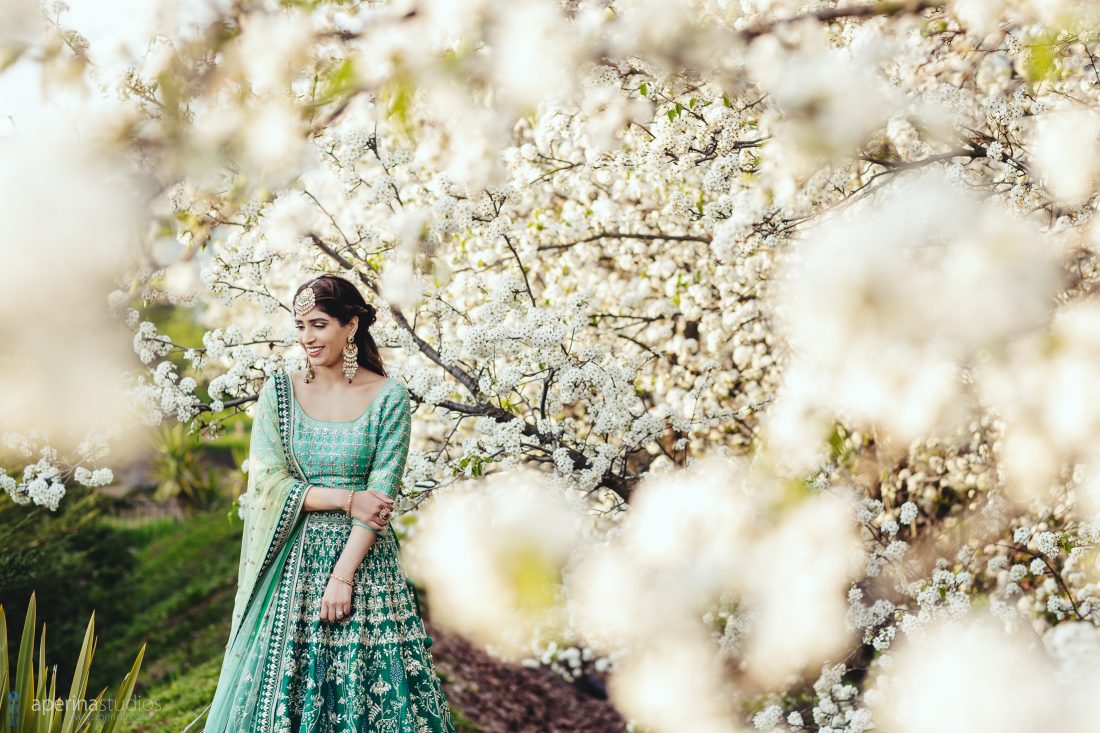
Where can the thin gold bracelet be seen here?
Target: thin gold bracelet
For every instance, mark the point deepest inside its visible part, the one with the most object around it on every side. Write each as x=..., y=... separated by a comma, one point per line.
x=343, y=580
x=347, y=507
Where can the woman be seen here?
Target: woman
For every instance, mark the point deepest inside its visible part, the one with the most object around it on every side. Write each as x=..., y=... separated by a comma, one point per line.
x=327, y=633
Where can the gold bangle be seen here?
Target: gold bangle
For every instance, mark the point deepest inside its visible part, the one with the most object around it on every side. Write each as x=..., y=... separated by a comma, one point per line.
x=347, y=507
x=343, y=580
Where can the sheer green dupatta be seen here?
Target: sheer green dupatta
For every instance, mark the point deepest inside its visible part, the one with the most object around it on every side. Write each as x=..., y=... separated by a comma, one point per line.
x=273, y=506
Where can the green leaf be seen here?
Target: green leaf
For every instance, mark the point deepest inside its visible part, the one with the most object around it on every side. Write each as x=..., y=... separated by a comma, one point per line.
x=334, y=82
x=644, y=89
x=399, y=97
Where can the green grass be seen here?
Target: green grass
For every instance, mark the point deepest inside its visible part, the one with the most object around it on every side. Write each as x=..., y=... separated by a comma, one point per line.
x=178, y=596
x=172, y=705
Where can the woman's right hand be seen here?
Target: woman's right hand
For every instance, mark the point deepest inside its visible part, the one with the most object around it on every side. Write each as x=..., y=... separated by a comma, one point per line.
x=366, y=505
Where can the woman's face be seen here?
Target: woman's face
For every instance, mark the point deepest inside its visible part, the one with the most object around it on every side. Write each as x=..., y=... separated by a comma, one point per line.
x=323, y=337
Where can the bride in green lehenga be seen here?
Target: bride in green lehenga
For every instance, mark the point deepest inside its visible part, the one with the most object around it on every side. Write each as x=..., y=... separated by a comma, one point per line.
x=326, y=633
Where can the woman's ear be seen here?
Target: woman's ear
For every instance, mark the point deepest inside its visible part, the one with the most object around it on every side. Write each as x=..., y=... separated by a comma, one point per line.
x=354, y=323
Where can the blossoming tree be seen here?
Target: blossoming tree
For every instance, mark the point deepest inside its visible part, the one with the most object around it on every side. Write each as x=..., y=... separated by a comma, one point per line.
x=761, y=332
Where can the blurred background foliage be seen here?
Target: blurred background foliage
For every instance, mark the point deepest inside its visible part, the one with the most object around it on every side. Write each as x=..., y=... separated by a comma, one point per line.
x=154, y=555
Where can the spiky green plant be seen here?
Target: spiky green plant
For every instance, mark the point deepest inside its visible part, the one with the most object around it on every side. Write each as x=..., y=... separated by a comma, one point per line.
x=31, y=707
x=179, y=470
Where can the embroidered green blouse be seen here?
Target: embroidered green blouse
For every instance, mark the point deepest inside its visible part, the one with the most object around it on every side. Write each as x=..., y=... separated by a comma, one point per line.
x=387, y=450
x=324, y=445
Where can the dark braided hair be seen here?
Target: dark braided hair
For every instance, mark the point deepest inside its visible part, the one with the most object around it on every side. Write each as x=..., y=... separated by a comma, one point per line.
x=339, y=298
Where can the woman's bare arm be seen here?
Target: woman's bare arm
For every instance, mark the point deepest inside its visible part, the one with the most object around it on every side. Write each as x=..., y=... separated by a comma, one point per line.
x=365, y=504
x=319, y=499
x=355, y=549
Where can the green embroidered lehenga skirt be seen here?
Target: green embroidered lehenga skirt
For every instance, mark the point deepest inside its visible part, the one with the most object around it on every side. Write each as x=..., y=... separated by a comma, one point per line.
x=371, y=672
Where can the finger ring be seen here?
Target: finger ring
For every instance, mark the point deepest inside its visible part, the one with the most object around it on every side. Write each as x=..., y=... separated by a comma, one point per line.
x=339, y=614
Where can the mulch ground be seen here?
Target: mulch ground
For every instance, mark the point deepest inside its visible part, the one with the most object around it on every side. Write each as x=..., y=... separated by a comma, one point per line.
x=507, y=698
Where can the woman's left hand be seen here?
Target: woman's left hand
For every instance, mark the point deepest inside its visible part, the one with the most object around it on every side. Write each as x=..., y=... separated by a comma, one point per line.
x=371, y=506
x=337, y=600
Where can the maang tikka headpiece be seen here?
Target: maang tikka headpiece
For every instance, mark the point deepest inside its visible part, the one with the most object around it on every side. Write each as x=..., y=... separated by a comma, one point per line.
x=306, y=301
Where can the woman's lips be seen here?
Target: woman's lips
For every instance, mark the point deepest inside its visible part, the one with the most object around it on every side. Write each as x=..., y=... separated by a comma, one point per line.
x=316, y=352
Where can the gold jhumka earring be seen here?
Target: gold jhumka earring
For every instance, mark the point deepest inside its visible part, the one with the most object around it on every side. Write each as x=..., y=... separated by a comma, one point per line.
x=351, y=363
